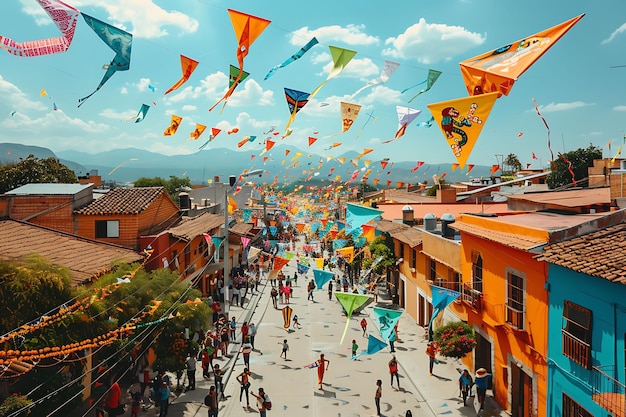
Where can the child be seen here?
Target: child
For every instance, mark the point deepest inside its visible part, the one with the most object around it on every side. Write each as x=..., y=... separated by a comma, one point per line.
x=296, y=322
x=285, y=348
x=355, y=347
x=364, y=326
x=136, y=404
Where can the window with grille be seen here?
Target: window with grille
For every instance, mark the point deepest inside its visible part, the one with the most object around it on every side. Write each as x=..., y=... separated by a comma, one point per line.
x=572, y=409
x=576, y=333
x=477, y=271
x=515, y=303
x=107, y=228
x=454, y=280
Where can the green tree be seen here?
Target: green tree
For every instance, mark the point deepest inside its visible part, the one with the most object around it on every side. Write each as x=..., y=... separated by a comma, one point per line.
x=580, y=159
x=173, y=186
x=379, y=248
x=34, y=170
x=512, y=163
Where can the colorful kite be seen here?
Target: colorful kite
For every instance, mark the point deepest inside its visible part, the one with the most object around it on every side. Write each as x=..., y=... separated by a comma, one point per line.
x=199, y=130
x=441, y=298
x=462, y=120
x=312, y=140
x=118, y=40
x=350, y=302
x=386, y=320
x=287, y=313
x=349, y=113
x=416, y=167
x=247, y=28
x=427, y=123
x=497, y=70
x=142, y=113
x=321, y=277
x=365, y=152
x=406, y=115
x=389, y=68
x=188, y=66
x=173, y=127
x=293, y=57
x=64, y=17
x=374, y=345
x=341, y=57
x=296, y=100
x=433, y=75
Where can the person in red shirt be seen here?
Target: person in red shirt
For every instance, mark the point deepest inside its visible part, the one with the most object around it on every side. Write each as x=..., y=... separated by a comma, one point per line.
x=393, y=370
x=113, y=399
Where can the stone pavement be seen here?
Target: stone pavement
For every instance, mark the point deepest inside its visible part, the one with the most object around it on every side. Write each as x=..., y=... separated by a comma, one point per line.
x=349, y=385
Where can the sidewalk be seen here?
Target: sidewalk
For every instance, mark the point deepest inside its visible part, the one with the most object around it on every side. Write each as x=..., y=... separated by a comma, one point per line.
x=348, y=385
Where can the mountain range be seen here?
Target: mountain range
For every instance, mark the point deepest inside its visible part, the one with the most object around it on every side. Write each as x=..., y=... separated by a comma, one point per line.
x=126, y=165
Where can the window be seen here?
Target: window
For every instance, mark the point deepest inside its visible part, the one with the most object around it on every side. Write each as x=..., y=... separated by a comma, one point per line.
x=433, y=269
x=572, y=409
x=515, y=305
x=107, y=228
x=477, y=271
x=577, y=333
x=414, y=264
x=454, y=280
x=401, y=250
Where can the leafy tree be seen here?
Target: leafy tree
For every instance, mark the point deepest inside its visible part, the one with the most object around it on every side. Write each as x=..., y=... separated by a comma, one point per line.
x=581, y=159
x=34, y=170
x=432, y=191
x=173, y=186
x=379, y=248
x=512, y=163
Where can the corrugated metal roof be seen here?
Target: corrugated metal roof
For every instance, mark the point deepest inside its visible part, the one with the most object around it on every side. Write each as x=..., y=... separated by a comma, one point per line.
x=189, y=228
x=240, y=228
x=50, y=189
x=508, y=239
x=85, y=258
x=123, y=201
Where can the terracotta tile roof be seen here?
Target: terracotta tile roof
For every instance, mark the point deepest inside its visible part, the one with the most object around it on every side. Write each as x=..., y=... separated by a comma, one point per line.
x=240, y=228
x=123, y=201
x=188, y=228
x=400, y=231
x=599, y=254
x=508, y=239
x=85, y=258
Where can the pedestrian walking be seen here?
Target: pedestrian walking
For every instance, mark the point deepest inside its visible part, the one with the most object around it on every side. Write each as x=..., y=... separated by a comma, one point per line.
x=190, y=364
x=481, y=385
x=465, y=385
x=210, y=400
x=232, y=327
x=164, y=398
x=252, y=334
x=378, y=395
x=246, y=350
x=206, y=360
x=322, y=366
x=330, y=290
x=263, y=402
x=245, y=330
x=274, y=295
x=112, y=401
x=285, y=348
x=364, y=326
x=295, y=278
x=219, y=385
x=244, y=381
x=392, y=340
x=431, y=351
x=310, y=287
x=355, y=348
x=296, y=323
x=393, y=370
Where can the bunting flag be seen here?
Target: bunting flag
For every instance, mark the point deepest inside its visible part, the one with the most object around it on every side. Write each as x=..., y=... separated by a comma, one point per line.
x=347, y=253
x=470, y=167
x=302, y=269
x=188, y=66
x=461, y=122
x=280, y=262
x=350, y=302
x=232, y=205
x=369, y=232
x=365, y=152
x=197, y=132
x=433, y=75
x=319, y=262
x=441, y=298
x=454, y=166
x=312, y=140
x=495, y=168
x=173, y=127
x=142, y=113
x=64, y=17
x=247, y=215
x=406, y=115
x=217, y=241
x=247, y=29
x=497, y=70
x=289, y=255
x=293, y=57
x=300, y=227
x=416, y=167
x=252, y=254
x=349, y=113
x=296, y=100
x=287, y=313
x=357, y=215
x=304, y=260
x=389, y=67
x=119, y=41
x=374, y=345
x=386, y=320
x=341, y=57
x=321, y=277
x=245, y=241
x=273, y=230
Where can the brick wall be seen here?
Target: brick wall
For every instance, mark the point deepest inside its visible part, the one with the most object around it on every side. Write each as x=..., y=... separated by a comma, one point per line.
x=54, y=212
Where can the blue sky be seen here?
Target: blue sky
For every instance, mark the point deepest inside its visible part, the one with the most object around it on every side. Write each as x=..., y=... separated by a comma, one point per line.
x=581, y=97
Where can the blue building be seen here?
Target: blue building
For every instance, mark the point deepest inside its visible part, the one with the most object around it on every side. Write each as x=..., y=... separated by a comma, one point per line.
x=587, y=324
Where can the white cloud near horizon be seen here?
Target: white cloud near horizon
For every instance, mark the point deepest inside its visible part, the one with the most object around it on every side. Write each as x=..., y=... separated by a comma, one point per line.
x=350, y=35
x=556, y=107
x=429, y=43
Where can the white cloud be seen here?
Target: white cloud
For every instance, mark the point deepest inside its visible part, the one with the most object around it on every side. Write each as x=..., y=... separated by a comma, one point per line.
x=146, y=19
x=189, y=107
x=14, y=99
x=244, y=119
x=116, y=115
x=124, y=90
x=381, y=94
x=251, y=92
x=554, y=107
x=619, y=108
x=351, y=35
x=429, y=43
x=143, y=84
x=615, y=33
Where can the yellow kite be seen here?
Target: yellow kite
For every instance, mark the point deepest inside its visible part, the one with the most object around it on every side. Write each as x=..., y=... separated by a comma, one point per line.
x=173, y=127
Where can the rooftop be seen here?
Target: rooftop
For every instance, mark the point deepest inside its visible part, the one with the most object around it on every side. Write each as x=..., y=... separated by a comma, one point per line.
x=123, y=201
x=50, y=189
x=400, y=231
x=573, y=198
x=188, y=228
x=394, y=210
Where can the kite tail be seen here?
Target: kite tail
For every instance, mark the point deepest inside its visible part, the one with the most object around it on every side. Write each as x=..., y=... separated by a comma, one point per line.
x=413, y=86
x=292, y=117
x=416, y=95
x=81, y=101
x=548, y=128
x=230, y=90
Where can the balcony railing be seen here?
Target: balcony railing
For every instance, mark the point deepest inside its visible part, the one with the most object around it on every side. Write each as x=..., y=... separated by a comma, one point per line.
x=576, y=349
x=472, y=297
x=609, y=393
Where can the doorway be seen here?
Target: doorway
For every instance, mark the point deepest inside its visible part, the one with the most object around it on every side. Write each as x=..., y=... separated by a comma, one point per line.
x=521, y=392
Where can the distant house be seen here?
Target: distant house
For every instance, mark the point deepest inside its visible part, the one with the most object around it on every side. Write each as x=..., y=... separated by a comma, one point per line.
x=123, y=215
x=587, y=324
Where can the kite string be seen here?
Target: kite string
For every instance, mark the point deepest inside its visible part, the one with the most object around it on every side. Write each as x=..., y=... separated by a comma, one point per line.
x=547, y=127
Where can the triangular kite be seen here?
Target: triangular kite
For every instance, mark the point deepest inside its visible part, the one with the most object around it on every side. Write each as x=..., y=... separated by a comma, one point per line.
x=389, y=67
x=441, y=298
x=279, y=262
x=349, y=113
x=386, y=320
x=357, y=215
x=433, y=75
x=341, y=58
x=374, y=345
x=296, y=100
x=321, y=277
x=312, y=140
x=188, y=66
x=350, y=302
x=462, y=120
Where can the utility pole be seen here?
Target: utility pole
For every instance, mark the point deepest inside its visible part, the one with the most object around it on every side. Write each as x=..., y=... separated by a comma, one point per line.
x=231, y=183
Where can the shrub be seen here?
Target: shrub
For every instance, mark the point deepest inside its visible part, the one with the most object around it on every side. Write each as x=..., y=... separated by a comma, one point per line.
x=455, y=339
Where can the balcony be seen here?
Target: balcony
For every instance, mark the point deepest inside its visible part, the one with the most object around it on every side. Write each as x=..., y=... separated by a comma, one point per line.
x=576, y=349
x=472, y=297
x=608, y=392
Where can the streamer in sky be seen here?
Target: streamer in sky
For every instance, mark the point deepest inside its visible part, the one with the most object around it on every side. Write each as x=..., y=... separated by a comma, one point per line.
x=293, y=57
x=64, y=17
x=389, y=68
x=433, y=75
x=547, y=128
x=118, y=40
x=143, y=111
x=188, y=66
x=247, y=29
